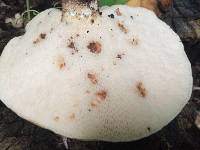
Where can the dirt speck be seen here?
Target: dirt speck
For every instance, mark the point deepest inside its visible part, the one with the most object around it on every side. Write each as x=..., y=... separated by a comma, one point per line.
x=122, y=27
x=92, y=77
x=149, y=129
x=135, y=41
x=73, y=47
x=43, y=35
x=120, y=56
x=92, y=21
x=95, y=47
x=111, y=16
x=117, y=11
x=141, y=89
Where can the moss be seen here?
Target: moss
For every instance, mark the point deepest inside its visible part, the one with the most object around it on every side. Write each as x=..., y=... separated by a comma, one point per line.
x=111, y=2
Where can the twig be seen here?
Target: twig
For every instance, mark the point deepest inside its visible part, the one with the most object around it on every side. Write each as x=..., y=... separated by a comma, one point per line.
x=28, y=9
x=195, y=88
x=65, y=143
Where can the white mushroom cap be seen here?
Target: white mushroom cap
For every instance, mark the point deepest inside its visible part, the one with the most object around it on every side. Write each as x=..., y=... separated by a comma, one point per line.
x=117, y=78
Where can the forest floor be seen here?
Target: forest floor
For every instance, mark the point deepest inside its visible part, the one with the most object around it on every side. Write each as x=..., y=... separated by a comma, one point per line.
x=181, y=134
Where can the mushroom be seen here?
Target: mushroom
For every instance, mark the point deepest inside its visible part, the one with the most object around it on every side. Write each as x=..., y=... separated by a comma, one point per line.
x=17, y=21
x=91, y=74
x=154, y=5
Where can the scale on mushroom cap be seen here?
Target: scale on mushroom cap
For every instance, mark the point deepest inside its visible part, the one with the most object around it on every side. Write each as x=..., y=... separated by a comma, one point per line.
x=118, y=74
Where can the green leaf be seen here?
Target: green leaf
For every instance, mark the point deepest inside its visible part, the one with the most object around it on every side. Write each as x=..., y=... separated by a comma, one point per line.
x=111, y=2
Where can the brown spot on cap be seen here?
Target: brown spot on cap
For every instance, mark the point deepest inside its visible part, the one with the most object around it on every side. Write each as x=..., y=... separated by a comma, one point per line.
x=122, y=27
x=141, y=89
x=101, y=95
x=42, y=36
x=72, y=116
x=92, y=21
x=94, y=47
x=60, y=61
x=92, y=78
x=36, y=41
x=117, y=11
x=88, y=92
x=56, y=118
x=94, y=103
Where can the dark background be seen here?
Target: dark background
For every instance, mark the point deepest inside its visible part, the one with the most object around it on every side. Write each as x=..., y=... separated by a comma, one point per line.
x=180, y=134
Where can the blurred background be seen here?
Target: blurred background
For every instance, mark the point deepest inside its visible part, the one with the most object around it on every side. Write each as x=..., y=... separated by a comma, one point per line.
x=181, y=134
